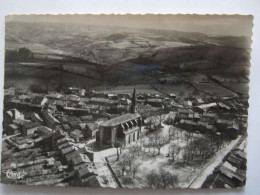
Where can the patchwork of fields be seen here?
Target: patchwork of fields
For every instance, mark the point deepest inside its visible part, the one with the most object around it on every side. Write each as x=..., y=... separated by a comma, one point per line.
x=24, y=77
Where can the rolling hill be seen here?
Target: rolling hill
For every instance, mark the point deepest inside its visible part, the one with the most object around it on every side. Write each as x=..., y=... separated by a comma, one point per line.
x=136, y=51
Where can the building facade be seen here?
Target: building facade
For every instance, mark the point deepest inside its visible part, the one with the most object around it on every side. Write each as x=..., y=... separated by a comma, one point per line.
x=124, y=129
x=120, y=130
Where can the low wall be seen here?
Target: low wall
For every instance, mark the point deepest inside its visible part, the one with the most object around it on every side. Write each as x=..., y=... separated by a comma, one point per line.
x=113, y=173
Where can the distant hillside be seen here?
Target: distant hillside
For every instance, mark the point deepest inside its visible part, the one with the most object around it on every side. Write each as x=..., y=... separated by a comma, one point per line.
x=208, y=59
x=135, y=50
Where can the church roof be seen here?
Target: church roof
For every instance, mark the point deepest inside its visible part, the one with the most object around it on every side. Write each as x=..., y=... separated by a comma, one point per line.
x=121, y=119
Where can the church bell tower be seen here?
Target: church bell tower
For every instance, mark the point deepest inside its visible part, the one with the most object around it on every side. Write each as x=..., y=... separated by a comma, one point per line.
x=133, y=103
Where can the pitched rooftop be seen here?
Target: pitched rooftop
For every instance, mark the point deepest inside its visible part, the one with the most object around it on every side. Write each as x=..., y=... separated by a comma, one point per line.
x=121, y=119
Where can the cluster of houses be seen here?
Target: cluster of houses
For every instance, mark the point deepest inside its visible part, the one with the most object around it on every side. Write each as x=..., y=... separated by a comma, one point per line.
x=78, y=113
x=57, y=159
x=226, y=117
x=61, y=123
x=79, y=128
x=80, y=160
x=79, y=102
x=83, y=115
x=232, y=172
x=34, y=155
x=62, y=134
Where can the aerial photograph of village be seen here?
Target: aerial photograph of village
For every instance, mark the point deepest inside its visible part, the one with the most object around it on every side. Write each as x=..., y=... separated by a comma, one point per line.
x=126, y=101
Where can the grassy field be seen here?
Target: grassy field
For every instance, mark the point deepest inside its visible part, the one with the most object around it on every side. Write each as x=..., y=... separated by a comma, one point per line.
x=128, y=89
x=26, y=76
x=238, y=87
x=114, y=81
x=35, y=47
x=213, y=89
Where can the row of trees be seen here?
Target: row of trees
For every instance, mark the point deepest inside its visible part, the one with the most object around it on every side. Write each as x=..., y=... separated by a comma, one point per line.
x=22, y=54
x=181, y=145
x=154, y=143
x=129, y=165
x=194, y=147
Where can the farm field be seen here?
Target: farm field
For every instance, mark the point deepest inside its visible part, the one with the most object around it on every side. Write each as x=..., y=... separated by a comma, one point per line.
x=27, y=76
x=213, y=89
x=238, y=87
x=142, y=88
x=35, y=47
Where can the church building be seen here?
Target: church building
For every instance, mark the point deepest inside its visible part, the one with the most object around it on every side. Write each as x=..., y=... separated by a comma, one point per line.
x=125, y=128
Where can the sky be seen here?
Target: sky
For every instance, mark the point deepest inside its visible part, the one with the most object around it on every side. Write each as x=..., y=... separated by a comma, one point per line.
x=223, y=25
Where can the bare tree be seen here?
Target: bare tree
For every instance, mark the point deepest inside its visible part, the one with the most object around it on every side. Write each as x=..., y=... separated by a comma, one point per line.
x=171, y=132
x=152, y=123
x=135, y=167
x=120, y=146
x=188, y=136
x=152, y=179
x=160, y=117
x=155, y=122
x=198, y=147
x=167, y=180
x=149, y=124
x=133, y=149
x=151, y=140
x=177, y=135
x=137, y=148
x=174, y=151
x=161, y=180
x=159, y=143
x=218, y=142
x=126, y=161
x=123, y=165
